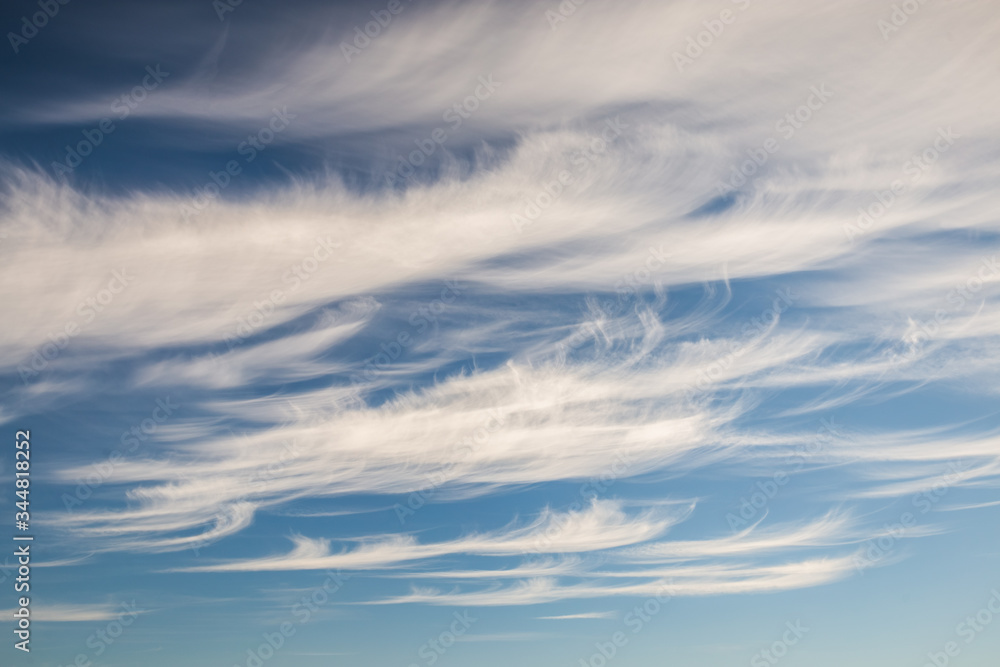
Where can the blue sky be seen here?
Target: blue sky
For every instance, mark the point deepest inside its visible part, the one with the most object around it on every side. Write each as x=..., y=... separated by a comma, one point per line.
x=451, y=333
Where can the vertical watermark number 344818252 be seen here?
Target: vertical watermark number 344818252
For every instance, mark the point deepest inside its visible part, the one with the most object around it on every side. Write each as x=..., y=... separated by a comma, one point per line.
x=22, y=550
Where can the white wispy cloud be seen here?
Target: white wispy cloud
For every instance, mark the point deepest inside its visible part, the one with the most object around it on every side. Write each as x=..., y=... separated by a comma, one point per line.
x=588, y=614
x=732, y=579
x=600, y=526
x=278, y=290
x=77, y=613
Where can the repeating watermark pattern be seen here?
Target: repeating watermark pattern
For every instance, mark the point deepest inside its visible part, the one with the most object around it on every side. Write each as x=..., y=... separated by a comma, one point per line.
x=878, y=549
x=256, y=483
x=779, y=648
x=260, y=479
x=461, y=452
x=926, y=330
x=750, y=334
x=419, y=320
x=915, y=167
x=372, y=29
x=264, y=308
x=899, y=17
x=455, y=116
x=632, y=283
x=922, y=331
x=763, y=492
x=31, y=25
x=554, y=189
x=967, y=630
x=130, y=441
x=432, y=650
x=787, y=126
x=635, y=620
x=88, y=309
x=563, y=11
x=589, y=491
x=699, y=43
x=224, y=7
x=965, y=291
x=253, y=145
x=103, y=638
x=123, y=106
x=301, y=612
